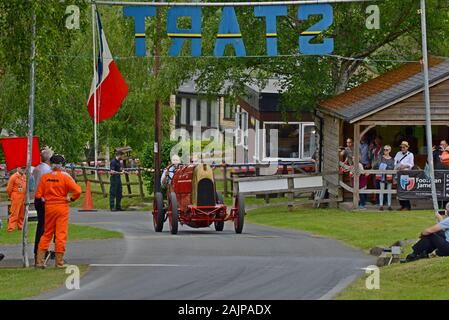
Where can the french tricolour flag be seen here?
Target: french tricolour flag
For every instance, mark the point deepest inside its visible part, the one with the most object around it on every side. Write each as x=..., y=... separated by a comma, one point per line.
x=111, y=88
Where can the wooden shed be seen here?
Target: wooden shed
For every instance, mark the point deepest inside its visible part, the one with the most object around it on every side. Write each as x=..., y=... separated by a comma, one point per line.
x=391, y=106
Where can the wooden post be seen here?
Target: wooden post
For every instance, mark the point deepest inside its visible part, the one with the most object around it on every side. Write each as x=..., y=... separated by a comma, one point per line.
x=291, y=193
x=127, y=182
x=139, y=176
x=225, y=180
x=100, y=179
x=356, y=173
x=73, y=172
x=85, y=176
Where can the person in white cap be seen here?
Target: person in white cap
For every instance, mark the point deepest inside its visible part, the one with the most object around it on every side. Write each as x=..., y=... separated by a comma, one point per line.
x=169, y=172
x=404, y=160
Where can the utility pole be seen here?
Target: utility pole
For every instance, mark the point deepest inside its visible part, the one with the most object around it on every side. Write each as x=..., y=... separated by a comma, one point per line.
x=157, y=107
x=425, y=65
x=26, y=263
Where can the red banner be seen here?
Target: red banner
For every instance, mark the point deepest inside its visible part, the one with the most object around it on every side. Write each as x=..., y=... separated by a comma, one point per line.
x=15, y=151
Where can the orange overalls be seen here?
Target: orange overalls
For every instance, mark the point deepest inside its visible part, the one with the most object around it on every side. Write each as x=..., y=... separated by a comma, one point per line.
x=16, y=192
x=53, y=189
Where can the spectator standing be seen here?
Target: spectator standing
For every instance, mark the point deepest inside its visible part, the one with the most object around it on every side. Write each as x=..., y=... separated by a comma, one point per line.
x=363, y=182
x=403, y=161
x=364, y=153
x=16, y=190
x=115, y=187
x=385, y=181
x=376, y=153
x=39, y=171
x=348, y=152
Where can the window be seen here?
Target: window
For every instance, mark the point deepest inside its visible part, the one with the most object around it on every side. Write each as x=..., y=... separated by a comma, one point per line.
x=188, y=111
x=241, y=132
x=198, y=110
x=295, y=141
x=178, y=112
x=209, y=114
x=308, y=141
x=229, y=111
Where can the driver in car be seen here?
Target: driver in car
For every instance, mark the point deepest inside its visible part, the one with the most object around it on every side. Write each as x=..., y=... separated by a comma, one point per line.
x=169, y=172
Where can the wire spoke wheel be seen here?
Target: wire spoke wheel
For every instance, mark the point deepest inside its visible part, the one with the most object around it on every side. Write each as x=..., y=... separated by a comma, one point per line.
x=239, y=216
x=173, y=213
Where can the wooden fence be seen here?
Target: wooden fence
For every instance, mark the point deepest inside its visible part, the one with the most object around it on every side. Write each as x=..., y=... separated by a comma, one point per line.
x=101, y=178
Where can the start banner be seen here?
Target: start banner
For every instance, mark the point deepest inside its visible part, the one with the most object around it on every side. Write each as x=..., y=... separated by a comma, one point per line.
x=416, y=185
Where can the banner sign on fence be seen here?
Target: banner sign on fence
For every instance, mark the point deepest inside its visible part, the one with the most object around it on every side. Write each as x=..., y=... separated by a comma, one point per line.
x=229, y=29
x=416, y=185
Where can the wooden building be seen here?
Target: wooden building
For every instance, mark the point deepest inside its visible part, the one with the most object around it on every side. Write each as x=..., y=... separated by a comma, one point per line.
x=259, y=110
x=391, y=106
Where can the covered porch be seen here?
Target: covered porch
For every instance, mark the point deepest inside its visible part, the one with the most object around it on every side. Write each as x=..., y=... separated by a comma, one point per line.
x=390, y=106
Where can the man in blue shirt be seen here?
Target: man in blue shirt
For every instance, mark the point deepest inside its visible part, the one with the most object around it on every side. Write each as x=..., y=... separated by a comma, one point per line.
x=433, y=238
x=38, y=172
x=115, y=187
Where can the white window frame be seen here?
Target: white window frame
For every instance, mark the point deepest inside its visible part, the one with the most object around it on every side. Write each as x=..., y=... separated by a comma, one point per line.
x=300, y=141
x=303, y=126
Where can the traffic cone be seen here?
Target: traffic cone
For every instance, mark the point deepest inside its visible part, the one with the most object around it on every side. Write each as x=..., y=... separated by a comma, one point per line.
x=87, y=205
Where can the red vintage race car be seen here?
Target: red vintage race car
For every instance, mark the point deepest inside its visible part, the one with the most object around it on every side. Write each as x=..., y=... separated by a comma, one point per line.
x=192, y=200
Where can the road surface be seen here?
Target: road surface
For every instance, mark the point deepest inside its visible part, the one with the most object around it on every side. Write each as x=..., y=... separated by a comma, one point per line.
x=261, y=263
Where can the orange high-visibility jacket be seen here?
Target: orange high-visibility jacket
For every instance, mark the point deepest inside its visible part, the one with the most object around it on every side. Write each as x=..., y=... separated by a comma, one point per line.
x=16, y=186
x=55, y=186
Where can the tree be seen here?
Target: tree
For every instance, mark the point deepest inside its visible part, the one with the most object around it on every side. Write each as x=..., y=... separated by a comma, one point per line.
x=309, y=79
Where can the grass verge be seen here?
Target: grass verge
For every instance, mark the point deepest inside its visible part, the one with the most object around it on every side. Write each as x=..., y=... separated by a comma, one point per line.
x=16, y=282
x=76, y=232
x=424, y=279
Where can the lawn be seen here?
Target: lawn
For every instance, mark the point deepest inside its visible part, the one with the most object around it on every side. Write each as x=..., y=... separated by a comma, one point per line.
x=76, y=232
x=358, y=229
x=16, y=283
x=421, y=280
x=425, y=279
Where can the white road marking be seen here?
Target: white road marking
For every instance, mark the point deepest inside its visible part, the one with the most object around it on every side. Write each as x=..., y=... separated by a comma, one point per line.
x=342, y=284
x=121, y=265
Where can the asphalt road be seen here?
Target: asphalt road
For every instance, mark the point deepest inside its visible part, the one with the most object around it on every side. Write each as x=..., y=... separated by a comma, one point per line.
x=261, y=263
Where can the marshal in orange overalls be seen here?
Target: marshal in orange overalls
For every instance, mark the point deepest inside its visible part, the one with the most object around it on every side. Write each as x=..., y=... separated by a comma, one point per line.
x=16, y=192
x=54, y=188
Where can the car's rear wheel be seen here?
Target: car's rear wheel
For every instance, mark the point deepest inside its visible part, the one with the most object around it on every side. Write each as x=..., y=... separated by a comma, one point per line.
x=158, y=212
x=239, y=218
x=173, y=213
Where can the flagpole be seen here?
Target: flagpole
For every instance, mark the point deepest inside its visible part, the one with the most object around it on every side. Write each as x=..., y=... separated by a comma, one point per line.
x=26, y=263
x=427, y=106
x=95, y=88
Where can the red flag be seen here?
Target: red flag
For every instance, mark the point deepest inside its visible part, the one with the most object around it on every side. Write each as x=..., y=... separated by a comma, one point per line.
x=15, y=151
x=111, y=89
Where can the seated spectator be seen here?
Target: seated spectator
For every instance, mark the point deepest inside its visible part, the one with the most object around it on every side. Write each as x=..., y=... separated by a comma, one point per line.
x=435, y=238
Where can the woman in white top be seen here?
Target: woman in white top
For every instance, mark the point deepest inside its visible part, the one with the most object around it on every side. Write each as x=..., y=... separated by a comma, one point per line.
x=404, y=160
